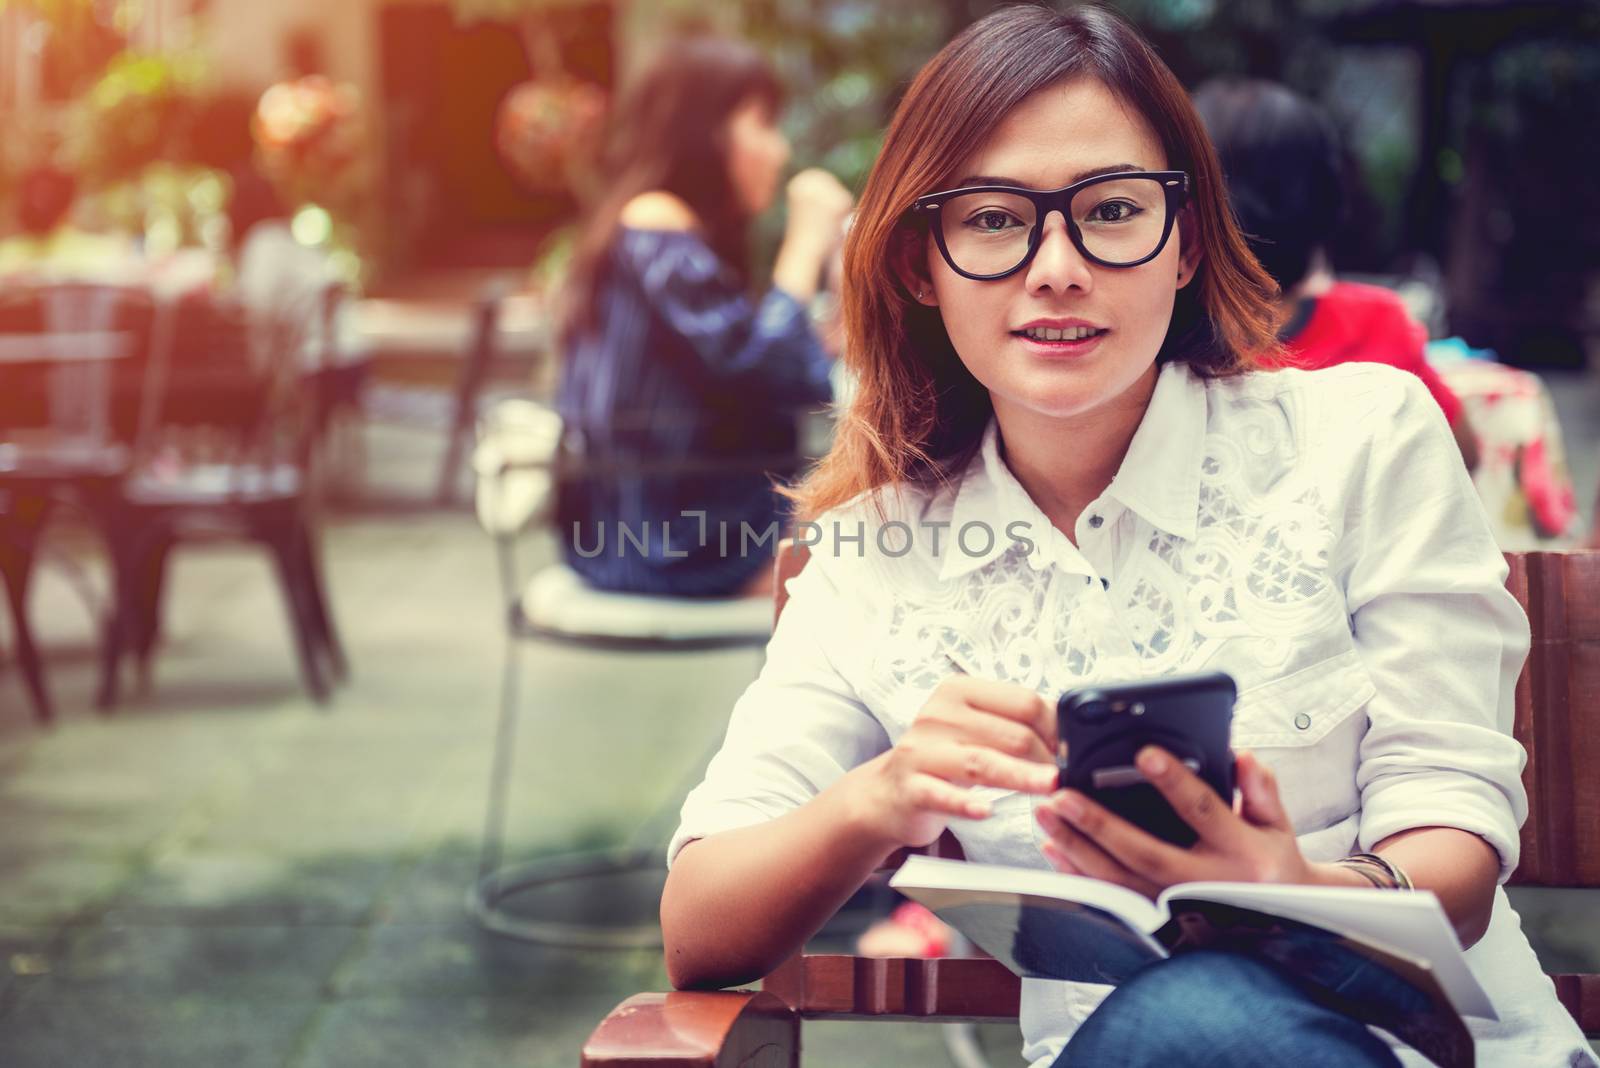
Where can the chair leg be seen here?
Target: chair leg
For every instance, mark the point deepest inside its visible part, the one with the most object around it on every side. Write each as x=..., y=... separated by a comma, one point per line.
x=353, y=465
x=111, y=644
x=16, y=564
x=291, y=578
x=151, y=577
x=317, y=601
x=496, y=885
x=129, y=536
x=505, y=742
x=474, y=371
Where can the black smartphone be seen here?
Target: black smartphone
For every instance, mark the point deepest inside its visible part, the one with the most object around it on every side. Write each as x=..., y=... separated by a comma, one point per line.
x=1101, y=728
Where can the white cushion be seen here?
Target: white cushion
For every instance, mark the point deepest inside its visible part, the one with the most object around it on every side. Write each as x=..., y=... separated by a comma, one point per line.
x=517, y=432
x=558, y=599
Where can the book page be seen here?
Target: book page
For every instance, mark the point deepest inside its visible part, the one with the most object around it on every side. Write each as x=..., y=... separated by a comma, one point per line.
x=1413, y=924
x=1054, y=935
x=1044, y=937
x=940, y=874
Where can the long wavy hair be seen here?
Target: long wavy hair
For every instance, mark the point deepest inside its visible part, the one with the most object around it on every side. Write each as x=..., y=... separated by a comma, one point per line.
x=669, y=132
x=918, y=414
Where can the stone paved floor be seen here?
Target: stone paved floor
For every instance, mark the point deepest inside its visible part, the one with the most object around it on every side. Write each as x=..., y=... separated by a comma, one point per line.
x=224, y=874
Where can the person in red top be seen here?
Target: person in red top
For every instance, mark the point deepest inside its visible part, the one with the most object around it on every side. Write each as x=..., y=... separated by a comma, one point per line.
x=1283, y=162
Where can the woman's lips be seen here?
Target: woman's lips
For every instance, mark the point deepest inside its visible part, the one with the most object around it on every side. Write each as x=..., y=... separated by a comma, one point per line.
x=1061, y=349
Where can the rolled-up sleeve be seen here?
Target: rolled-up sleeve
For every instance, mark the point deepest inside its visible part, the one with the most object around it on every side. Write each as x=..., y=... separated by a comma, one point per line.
x=766, y=344
x=797, y=728
x=1442, y=638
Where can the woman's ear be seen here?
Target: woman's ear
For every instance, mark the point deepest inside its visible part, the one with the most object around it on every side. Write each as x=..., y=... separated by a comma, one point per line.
x=910, y=263
x=1190, y=251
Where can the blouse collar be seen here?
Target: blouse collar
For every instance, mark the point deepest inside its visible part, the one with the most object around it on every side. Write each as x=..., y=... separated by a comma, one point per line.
x=1159, y=478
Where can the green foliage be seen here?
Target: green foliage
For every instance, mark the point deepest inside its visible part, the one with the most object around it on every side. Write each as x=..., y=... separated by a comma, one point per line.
x=140, y=111
x=844, y=62
x=170, y=205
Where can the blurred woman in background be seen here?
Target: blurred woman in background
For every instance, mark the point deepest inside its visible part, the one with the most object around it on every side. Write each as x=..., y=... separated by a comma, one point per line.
x=1285, y=169
x=668, y=358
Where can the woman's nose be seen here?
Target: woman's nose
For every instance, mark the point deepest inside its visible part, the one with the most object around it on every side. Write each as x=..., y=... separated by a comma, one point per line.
x=1058, y=265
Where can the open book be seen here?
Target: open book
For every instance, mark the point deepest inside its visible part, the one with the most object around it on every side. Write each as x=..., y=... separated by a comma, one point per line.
x=1389, y=959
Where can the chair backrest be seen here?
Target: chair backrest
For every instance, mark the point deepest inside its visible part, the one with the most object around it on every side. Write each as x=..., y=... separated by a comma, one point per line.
x=1558, y=717
x=72, y=356
x=220, y=386
x=1557, y=721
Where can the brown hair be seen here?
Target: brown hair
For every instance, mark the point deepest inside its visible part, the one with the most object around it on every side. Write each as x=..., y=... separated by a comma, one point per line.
x=669, y=132
x=918, y=413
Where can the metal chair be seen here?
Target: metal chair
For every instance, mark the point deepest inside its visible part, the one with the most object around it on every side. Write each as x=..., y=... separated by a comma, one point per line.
x=71, y=355
x=557, y=606
x=221, y=453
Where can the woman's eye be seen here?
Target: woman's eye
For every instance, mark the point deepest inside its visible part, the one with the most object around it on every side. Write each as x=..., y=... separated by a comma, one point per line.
x=992, y=221
x=1112, y=211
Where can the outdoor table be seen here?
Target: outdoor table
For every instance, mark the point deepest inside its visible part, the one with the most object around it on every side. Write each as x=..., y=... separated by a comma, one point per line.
x=469, y=338
x=418, y=329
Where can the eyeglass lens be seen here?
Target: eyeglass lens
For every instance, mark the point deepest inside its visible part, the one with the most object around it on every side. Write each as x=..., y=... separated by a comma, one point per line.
x=1121, y=222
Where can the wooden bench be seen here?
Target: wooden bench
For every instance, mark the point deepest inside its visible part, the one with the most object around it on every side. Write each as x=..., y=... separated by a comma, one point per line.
x=1557, y=720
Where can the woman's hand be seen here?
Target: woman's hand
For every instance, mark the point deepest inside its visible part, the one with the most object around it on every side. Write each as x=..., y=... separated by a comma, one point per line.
x=971, y=732
x=818, y=206
x=1253, y=844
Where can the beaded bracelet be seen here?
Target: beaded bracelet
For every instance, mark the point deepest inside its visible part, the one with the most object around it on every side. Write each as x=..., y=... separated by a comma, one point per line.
x=1365, y=862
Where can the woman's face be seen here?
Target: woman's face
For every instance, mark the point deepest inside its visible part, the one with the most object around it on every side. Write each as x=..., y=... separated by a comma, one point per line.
x=1052, y=139
x=757, y=154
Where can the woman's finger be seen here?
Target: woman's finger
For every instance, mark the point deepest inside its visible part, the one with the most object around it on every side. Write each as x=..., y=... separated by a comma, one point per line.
x=1195, y=802
x=1058, y=860
x=929, y=793
x=1142, y=853
x=1086, y=858
x=958, y=722
x=1258, y=793
x=1009, y=736
x=1006, y=699
x=979, y=765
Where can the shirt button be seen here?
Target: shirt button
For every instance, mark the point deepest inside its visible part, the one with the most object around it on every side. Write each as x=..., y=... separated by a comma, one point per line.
x=1302, y=721
x=1095, y=521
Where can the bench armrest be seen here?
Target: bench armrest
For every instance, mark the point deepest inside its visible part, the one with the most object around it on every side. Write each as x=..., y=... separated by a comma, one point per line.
x=697, y=1029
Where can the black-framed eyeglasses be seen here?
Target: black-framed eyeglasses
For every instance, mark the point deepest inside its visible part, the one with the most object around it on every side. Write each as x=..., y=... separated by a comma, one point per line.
x=989, y=232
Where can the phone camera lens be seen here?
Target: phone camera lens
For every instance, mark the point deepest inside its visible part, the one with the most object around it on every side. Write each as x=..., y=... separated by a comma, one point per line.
x=1095, y=712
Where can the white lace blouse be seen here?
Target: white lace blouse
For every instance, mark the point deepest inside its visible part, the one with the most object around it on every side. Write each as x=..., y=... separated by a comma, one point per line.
x=1314, y=534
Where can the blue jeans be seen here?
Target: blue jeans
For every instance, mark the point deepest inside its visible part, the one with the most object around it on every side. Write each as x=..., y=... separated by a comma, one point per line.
x=1210, y=1009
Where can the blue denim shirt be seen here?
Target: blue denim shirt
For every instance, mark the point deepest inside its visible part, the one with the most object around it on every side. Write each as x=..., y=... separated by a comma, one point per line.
x=681, y=365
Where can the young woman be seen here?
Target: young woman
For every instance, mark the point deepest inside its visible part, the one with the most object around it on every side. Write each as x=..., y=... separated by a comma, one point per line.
x=667, y=359
x=1060, y=469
